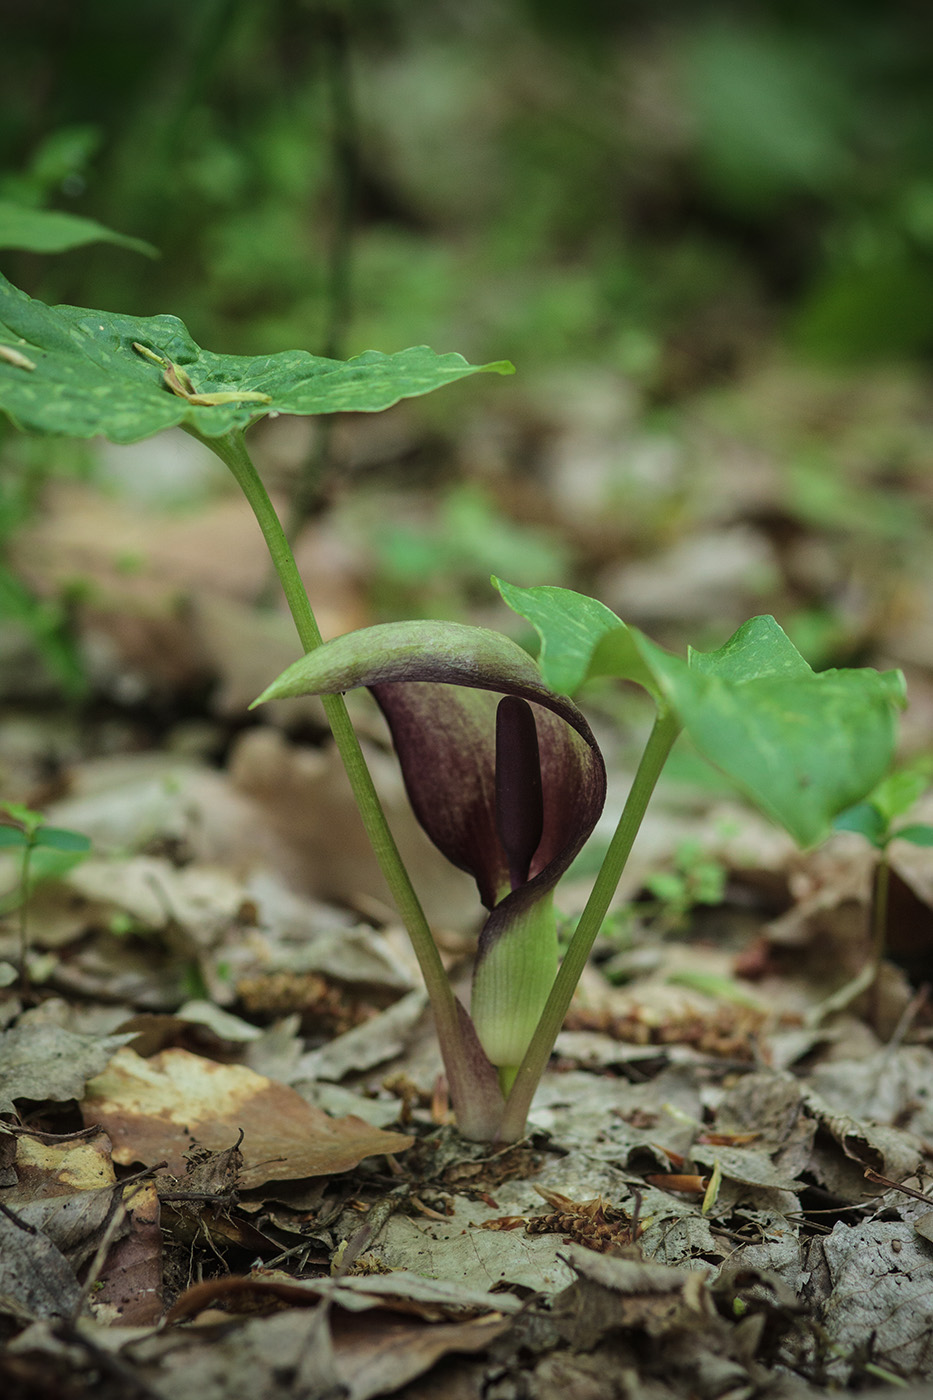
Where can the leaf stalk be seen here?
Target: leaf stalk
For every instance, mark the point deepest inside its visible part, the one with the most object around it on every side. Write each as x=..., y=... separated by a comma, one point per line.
x=663, y=734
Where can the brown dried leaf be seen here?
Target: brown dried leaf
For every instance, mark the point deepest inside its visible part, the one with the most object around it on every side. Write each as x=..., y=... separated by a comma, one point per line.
x=59, y=1166
x=155, y=1110
x=35, y=1277
x=612, y=1293
x=429, y=1299
x=378, y=1354
x=75, y=1224
x=40, y=1061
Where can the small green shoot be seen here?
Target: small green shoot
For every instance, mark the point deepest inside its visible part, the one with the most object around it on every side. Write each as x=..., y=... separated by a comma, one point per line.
x=30, y=833
x=692, y=878
x=876, y=819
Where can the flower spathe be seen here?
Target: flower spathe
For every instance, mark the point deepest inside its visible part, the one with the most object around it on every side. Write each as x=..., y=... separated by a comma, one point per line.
x=503, y=774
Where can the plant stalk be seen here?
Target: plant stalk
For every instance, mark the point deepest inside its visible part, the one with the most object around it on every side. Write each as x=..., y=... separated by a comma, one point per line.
x=468, y=1100
x=663, y=734
x=879, y=930
x=25, y=981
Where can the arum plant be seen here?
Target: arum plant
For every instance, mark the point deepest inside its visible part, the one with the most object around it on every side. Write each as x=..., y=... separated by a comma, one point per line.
x=501, y=767
x=507, y=780
x=505, y=777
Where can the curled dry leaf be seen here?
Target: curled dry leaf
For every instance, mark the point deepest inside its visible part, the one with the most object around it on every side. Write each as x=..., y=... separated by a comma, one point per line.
x=155, y=1110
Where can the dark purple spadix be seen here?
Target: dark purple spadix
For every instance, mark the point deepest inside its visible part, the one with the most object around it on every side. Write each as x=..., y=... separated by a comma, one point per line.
x=519, y=794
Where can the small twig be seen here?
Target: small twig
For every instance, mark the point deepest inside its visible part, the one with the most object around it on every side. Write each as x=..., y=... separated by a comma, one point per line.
x=880, y=1180
x=842, y=998
x=908, y=1016
x=16, y=1220
x=114, y=1224
x=224, y=1199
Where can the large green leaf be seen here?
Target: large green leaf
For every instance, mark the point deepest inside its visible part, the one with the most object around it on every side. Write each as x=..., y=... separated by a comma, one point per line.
x=55, y=231
x=76, y=372
x=803, y=746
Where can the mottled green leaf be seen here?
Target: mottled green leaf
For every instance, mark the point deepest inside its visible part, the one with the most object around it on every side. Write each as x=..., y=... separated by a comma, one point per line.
x=13, y=836
x=56, y=231
x=758, y=649
x=89, y=379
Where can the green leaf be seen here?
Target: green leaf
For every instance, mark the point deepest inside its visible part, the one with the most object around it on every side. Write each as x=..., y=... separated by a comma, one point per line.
x=898, y=792
x=58, y=838
x=802, y=746
x=865, y=819
x=13, y=836
x=918, y=834
x=26, y=817
x=715, y=985
x=758, y=649
x=580, y=637
x=54, y=231
x=89, y=379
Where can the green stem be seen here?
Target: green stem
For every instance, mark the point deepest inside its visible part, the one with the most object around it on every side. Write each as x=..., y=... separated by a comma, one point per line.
x=879, y=908
x=25, y=982
x=231, y=449
x=665, y=731
x=879, y=929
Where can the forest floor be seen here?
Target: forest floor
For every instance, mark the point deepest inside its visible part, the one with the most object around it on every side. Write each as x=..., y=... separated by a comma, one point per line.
x=227, y=1165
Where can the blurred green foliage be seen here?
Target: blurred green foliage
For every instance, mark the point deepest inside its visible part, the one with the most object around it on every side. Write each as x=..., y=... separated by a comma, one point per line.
x=438, y=562
x=660, y=191
x=522, y=178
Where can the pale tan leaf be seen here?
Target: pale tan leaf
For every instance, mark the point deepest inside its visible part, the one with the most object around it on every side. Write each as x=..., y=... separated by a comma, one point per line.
x=155, y=1110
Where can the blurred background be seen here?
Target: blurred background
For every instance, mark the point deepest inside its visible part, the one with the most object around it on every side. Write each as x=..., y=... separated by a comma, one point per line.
x=703, y=234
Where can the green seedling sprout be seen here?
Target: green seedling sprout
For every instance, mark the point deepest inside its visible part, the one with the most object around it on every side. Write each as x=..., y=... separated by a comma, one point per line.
x=876, y=819
x=27, y=834
x=501, y=766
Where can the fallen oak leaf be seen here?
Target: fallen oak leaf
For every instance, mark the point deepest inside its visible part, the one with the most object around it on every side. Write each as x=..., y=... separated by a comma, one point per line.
x=156, y=1110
